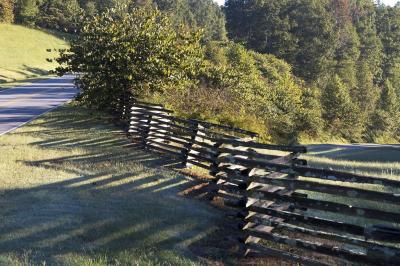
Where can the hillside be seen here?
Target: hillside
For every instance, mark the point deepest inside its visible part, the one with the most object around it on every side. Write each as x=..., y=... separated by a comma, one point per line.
x=23, y=52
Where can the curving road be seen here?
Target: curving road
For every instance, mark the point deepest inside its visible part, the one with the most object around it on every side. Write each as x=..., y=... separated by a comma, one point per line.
x=21, y=105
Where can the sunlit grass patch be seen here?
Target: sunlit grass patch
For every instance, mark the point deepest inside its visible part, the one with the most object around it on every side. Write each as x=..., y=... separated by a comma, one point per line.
x=375, y=161
x=23, y=53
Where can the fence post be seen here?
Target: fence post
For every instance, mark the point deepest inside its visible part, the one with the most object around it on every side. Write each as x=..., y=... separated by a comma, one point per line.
x=139, y=125
x=155, y=133
x=136, y=124
x=187, y=150
x=255, y=224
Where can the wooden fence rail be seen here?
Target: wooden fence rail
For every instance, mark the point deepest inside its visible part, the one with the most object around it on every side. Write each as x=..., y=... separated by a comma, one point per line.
x=285, y=206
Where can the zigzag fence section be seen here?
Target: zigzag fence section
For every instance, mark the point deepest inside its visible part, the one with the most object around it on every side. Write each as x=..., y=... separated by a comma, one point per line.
x=286, y=209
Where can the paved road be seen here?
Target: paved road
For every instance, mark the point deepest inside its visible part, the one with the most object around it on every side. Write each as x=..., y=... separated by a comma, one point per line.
x=22, y=104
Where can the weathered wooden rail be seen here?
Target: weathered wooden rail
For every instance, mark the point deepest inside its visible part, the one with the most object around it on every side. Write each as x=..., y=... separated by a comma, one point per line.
x=331, y=216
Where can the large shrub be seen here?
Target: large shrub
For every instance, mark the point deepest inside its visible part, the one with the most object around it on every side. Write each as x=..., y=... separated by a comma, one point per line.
x=121, y=55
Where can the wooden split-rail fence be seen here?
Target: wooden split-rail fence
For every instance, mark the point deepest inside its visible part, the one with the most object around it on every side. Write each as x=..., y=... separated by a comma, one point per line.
x=287, y=209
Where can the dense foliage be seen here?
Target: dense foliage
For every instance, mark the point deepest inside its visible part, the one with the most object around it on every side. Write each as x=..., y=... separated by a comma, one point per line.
x=7, y=11
x=123, y=55
x=249, y=90
x=66, y=15
x=290, y=70
x=349, y=49
x=140, y=54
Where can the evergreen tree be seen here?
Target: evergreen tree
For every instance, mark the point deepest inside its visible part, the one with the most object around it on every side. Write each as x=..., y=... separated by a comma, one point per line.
x=386, y=121
x=210, y=18
x=338, y=110
x=365, y=96
x=299, y=31
x=347, y=50
x=371, y=50
x=196, y=14
x=389, y=33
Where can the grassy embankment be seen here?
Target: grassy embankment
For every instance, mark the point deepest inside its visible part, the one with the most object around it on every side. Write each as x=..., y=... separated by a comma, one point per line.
x=23, y=54
x=72, y=194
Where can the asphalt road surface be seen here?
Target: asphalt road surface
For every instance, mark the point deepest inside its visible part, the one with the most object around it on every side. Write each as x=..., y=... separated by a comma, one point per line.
x=21, y=105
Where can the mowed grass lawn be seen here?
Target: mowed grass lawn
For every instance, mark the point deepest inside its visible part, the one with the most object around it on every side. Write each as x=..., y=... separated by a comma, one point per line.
x=72, y=193
x=23, y=53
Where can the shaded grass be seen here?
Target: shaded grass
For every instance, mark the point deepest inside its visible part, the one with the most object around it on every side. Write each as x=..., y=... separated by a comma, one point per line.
x=23, y=52
x=72, y=193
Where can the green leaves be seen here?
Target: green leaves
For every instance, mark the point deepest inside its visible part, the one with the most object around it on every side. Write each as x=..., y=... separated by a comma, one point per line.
x=123, y=55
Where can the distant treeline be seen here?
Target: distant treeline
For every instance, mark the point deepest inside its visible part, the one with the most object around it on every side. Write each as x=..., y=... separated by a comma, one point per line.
x=288, y=69
x=66, y=15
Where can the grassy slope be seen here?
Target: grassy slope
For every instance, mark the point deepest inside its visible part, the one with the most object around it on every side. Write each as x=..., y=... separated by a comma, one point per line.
x=71, y=194
x=23, y=52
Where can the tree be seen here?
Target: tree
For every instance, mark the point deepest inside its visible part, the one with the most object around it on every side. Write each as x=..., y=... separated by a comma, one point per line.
x=210, y=18
x=26, y=11
x=386, y=121
x=124, y=55
x=61, y=15
x=339, y=112
x=7, y=11
x=196, y=14
x=300, y=31
x=364, y=17
x=347, y=50
x=389, y=33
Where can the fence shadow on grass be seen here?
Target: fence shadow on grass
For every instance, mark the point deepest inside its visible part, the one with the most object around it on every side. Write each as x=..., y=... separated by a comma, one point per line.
x=113, y=199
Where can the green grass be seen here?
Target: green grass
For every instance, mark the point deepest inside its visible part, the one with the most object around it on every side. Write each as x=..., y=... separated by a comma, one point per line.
x=23, y=53
x=72, y=193
x=376, y=161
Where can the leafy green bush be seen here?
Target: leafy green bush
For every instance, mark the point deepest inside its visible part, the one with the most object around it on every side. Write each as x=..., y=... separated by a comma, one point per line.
x=249, y=90
x=122, y=55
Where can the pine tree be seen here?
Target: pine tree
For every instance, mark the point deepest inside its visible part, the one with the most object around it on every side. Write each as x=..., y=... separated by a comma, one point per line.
x=386, y=121
x=338, y=111
x=347, y=50
x=196, y=14
x=389, y=33
x=365, y=97
x=364, y=18
x=300, y=31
